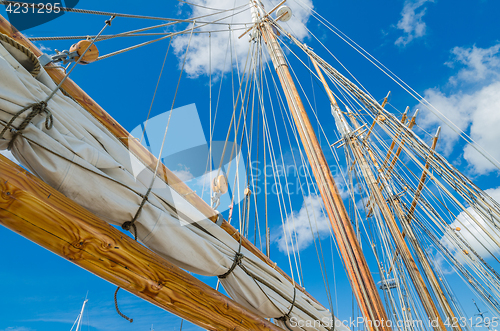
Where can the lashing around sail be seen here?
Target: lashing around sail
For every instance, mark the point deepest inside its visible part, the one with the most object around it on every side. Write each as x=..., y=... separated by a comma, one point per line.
x=37, y=109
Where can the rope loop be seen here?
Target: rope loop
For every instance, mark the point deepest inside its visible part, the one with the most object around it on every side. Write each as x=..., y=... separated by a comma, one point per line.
x=237, y=260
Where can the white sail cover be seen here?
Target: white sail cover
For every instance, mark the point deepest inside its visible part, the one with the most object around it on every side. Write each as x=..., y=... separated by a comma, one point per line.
x=81, y=159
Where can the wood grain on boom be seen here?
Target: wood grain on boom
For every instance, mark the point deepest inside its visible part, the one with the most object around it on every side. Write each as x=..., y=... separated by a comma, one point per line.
x=43, y=215
x=137, y=148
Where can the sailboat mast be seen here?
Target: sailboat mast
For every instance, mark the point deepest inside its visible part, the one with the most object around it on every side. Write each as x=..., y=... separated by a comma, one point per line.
x=79, y=324
x=376, y=193
x=357, y=268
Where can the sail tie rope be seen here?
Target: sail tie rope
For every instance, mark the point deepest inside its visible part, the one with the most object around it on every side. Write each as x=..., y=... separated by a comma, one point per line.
x=118, y=310
x=37, y=109
x=286, y=317
x=131, y=224
x=239, y=256
x=237, y=260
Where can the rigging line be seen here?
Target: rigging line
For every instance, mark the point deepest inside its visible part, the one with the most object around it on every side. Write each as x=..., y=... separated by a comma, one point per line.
x=270, y=148
x=247, y=92
x=463, y=208
x=376, y=108
x=41, y=107
x=268, y=244
x=118, y=309
x=96, y=12
x=293, y=233
x=156, y=90
x=330, y=147
x=257, y=63
x=106, y=37
x=465, y=275
x=249, y=141
x=107, y=23
x=236, y=178
x=282, y=106
x=131, y=224
x=244, y=133
x=328, y=50
x=196, y=5
x=315, y=113
x=261, y=84
x=256, y=217
x=312, y=87
x=285, y=177
x=126, y=34
x=165, y=37
x=212, y=125
x=210, y=156
x=280, y=193
x=322, y=267
x=420, y=99
x=234, y=115
x=255, y=177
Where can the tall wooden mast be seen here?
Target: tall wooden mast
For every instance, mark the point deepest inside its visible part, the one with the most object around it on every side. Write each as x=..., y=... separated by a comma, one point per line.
x=398, y=236
x=357, y=268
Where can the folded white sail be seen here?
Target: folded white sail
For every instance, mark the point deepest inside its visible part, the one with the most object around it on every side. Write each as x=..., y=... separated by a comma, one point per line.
x=81, y=159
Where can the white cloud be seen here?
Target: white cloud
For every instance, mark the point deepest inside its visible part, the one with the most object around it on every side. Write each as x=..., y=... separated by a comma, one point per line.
x=472, y=105
x=198, y=57
x=472, y=233
x=444, y=266
x=478, y=64
x=16, y=328
x=184, y=174
x=299, y=225
x=411, y=21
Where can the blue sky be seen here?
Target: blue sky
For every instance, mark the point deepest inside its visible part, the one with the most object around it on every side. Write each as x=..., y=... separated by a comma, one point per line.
x=446, y=50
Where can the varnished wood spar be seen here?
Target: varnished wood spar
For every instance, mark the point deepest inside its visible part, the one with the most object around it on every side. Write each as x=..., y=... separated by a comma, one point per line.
x=408, y=260
x=38, y=212
x=139, y=150
x=354, y=261
x=372, y=309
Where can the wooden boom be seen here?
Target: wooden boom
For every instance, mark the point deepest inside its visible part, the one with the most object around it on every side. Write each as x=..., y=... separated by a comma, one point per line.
x=135, y=147
x=43, y=215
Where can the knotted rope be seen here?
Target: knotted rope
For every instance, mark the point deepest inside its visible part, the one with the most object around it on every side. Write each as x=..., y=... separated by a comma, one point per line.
x=131, y=224
x=37, y=109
